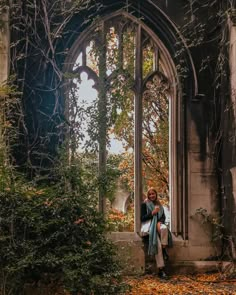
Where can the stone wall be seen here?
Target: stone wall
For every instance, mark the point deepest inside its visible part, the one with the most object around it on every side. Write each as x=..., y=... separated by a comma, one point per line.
x=4, y=47
x=229, y=138
x=202, y=187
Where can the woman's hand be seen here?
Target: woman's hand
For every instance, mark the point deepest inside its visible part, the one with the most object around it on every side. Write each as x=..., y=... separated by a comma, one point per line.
x=156, y=210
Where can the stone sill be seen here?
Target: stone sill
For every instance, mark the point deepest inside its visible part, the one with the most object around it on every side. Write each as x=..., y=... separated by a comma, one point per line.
x=194, y=267
x=124, y=236
x=135, y=237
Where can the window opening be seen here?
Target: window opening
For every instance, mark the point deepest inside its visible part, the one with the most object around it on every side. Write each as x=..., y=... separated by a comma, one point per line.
x=155, y=141
x=121, y=96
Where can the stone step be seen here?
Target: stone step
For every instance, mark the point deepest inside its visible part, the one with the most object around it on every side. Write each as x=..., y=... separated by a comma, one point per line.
x=193, y=267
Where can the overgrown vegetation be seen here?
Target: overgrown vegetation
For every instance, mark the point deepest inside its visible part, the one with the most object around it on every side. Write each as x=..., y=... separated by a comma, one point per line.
x=214, y=227
x=50, y=230
x=51, y=234
x=214, y=221
x=54, y=239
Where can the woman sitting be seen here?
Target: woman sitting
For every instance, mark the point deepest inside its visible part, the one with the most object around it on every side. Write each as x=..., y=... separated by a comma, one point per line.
x=158, y=238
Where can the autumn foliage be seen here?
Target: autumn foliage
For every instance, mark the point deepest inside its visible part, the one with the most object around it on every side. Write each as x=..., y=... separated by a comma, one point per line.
x=207, y=284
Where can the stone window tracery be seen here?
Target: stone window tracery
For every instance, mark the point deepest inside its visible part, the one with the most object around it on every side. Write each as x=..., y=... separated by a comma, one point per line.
x=130, y=72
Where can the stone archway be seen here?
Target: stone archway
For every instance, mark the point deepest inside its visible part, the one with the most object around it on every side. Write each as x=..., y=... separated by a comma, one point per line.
x=178, y=177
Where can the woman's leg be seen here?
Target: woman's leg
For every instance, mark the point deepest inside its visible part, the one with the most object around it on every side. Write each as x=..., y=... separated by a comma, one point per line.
x=159, y=227
x=159, y=256
x=164, y=240
x=164, y=235
x=148, y=261
x=160, y=261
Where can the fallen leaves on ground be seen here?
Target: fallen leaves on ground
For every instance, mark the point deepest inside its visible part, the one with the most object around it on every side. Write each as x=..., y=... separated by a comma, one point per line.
x=203, y=284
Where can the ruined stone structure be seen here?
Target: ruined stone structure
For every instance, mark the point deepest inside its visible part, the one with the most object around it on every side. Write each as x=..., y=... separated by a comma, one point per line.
x=196, y=181
x=4, y=47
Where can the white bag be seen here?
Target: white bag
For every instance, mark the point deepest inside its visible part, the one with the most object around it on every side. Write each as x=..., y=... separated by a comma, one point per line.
x=145, y=227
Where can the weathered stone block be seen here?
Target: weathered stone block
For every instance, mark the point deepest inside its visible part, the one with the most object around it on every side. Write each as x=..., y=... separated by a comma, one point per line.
x=130, y=252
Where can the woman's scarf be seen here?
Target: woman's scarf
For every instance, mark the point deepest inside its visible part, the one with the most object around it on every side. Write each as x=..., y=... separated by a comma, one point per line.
x=152, y=247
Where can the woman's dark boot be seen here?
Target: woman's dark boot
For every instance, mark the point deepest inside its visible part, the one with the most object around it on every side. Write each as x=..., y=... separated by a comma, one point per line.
x=165, y=254
x=162, y=274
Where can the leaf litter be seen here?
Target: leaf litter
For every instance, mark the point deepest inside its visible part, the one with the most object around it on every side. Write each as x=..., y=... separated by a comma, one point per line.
x=204, y=284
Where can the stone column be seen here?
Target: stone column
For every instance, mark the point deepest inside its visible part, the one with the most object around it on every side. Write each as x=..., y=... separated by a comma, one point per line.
x=232, y=65
x=232, y=57
x=4, y=45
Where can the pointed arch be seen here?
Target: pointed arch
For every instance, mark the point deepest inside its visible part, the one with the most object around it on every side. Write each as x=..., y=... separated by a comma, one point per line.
x=149, y=19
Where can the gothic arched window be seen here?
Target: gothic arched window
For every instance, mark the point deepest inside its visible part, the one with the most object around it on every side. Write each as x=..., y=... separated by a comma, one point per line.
x=122, y=108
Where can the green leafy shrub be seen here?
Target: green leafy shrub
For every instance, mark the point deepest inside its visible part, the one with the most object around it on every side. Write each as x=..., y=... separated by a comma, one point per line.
x=60, y=239
x=51, y=235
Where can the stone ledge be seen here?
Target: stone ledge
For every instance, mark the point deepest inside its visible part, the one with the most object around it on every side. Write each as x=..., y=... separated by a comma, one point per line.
x=133, y=237
x=193, y=267
x=124, y=236
x=184, y=257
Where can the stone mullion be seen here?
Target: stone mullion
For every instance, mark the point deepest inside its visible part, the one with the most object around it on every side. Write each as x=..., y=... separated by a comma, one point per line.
x=4, y=66
x=4, y=46
x=156, y=58
x=102, y=122
x=232, y=65
x=138, y=130
x=232, y=56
